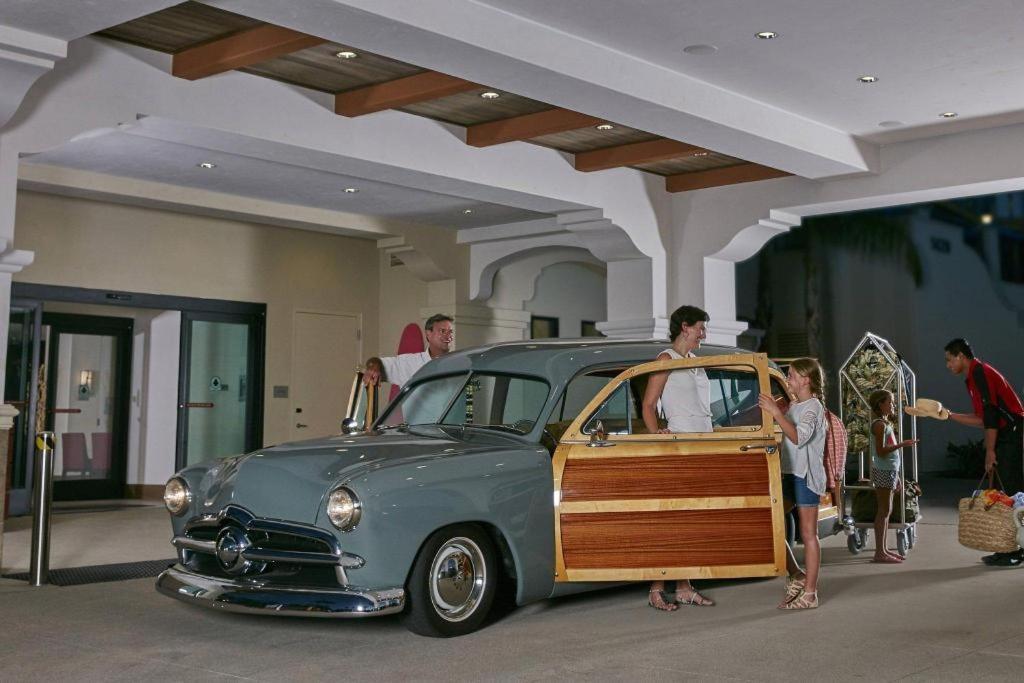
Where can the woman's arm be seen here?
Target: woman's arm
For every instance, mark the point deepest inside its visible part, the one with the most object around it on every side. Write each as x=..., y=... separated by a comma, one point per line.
x=652, y=394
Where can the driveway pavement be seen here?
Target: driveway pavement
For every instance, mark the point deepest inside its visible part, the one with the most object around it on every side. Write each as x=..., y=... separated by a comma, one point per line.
x=941, y=616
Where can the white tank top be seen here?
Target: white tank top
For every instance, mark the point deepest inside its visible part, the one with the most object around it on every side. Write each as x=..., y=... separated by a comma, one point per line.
x=686, y=399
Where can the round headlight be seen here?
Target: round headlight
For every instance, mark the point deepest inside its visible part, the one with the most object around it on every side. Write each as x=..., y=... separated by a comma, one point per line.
x=343, y=509
x=177, y=496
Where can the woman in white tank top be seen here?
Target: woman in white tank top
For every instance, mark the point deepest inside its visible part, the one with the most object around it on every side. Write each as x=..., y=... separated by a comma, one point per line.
x=685, y=397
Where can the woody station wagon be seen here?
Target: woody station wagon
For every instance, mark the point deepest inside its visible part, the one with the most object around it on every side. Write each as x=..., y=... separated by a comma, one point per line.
x=519, y=467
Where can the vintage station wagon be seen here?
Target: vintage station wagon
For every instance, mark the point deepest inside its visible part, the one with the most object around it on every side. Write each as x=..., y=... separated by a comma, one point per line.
x=519, y=467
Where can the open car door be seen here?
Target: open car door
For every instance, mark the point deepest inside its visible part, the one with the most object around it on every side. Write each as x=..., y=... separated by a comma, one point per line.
x=634, y=506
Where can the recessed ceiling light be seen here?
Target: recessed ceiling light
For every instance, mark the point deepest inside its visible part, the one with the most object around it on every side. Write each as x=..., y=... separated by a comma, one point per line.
x=867, y=79
x=346, y=54
x=890, y=124
x=351, y=190
x=467, y=211
x=700, y=49
x=948, y=115
x=604, y=126
x=986, y=219
x=766, y=35
x=206, y=164
x=490, y=95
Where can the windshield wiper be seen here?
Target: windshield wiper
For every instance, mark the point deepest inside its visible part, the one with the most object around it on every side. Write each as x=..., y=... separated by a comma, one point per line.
x=401, y=426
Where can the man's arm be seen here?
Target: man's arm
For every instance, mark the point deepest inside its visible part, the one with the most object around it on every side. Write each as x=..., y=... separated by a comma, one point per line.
x=969, y=419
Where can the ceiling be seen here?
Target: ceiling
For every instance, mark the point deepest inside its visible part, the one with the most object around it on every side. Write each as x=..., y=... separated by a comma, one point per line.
x=930, y=56
x=741, y=110
x=136, y=156
x=205, y=41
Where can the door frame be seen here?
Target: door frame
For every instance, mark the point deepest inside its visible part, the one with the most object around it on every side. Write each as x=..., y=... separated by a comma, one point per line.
x=734, y=442
x=254, y=377
x=106, y=326
x=30, y=293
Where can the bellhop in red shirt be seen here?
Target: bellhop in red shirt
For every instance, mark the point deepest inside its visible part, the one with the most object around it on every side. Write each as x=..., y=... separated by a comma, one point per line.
x=996, y=409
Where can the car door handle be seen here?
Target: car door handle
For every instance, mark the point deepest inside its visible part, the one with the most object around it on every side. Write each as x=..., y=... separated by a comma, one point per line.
x=299, y=425
x=757, y=447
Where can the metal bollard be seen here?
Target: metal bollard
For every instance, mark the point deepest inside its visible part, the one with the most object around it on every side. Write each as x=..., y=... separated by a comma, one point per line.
x=42, y=489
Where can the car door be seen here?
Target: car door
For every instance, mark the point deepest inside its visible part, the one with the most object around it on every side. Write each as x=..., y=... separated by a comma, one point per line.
x=635, y=506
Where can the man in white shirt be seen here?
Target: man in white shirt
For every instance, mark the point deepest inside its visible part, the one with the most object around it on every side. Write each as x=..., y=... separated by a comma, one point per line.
x=399, y=369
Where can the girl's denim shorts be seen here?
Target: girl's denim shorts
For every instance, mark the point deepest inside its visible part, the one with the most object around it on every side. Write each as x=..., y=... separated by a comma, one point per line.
x=795, y=489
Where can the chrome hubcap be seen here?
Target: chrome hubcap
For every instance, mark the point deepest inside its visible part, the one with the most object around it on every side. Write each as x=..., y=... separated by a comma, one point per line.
x=457, y=579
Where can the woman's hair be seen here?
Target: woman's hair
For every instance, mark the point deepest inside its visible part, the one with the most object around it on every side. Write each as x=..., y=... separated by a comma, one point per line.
x=876, y=399
x=685, y=315
x=811, y=368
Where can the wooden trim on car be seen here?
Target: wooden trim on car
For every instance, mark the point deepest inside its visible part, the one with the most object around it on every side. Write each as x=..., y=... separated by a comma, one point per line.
x=670, y=573
x=660, y=504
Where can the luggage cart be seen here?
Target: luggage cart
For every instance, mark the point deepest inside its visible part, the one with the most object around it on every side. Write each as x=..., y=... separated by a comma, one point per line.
x=875, y=364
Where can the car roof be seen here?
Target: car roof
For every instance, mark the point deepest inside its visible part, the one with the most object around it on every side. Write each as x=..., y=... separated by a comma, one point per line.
x=555, y=359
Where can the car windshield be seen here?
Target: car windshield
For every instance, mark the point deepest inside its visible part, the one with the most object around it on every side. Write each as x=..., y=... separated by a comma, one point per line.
x=502, y=402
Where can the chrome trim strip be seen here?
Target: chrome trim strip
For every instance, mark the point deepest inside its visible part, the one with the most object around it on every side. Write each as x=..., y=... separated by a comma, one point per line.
x=259, y=598
x=183, y=543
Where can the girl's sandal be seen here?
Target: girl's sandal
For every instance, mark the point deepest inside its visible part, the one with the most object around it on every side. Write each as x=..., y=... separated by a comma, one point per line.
x=656, y=599
x=693, y=598
x=803, y=600
x=794, y=585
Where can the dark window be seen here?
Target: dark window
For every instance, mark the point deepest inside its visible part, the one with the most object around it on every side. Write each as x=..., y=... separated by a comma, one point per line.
x=1011, y=257
x=543, y=327
x=588, y=328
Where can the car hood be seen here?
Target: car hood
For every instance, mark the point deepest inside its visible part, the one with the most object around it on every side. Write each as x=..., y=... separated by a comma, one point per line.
x=289, y=481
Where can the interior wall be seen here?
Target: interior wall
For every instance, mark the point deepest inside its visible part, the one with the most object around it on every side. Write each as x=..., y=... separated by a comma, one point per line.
x=403, y=297
x=567, y=284
x=98, y=245
x=571, y=292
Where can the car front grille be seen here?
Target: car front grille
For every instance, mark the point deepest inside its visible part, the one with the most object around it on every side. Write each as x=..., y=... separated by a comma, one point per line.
x=236, y=544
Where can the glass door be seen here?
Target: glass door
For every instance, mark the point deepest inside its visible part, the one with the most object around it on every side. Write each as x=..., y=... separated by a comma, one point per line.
x=21, y=390
x=220, y=386
x=87, y=388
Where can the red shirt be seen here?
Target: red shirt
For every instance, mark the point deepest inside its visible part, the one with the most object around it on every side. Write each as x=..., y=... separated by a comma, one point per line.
x=1001, y=397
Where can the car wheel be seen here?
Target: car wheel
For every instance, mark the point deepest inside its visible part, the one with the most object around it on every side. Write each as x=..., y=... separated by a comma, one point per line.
x=452, y=583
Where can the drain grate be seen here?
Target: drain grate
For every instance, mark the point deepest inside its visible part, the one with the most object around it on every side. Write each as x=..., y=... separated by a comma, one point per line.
x=100, y=573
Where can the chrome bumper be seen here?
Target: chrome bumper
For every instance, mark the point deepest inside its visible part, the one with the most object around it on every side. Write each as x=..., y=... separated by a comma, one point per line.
x=259, y=598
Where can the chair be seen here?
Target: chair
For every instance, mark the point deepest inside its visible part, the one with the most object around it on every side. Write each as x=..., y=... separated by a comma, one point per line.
x=100, y=453
x=73, y=457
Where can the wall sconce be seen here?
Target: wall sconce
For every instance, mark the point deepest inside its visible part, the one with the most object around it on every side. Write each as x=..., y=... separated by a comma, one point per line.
x=84, y=385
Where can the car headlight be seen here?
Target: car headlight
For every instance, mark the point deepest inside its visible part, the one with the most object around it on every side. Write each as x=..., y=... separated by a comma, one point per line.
x=343, y=509
x=177, y=496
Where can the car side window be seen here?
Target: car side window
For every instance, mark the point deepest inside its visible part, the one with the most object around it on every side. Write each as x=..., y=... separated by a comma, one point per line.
x=732, y=393
x=617, y=414
x=733, y=397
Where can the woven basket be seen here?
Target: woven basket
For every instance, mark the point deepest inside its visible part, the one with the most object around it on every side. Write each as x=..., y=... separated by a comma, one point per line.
x=993, y=530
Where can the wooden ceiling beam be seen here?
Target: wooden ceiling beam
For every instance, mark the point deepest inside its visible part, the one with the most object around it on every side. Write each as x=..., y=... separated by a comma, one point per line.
x=715, y=177
x=635, y=153
x=400, y=92
x=528, y=126
x=239, y=50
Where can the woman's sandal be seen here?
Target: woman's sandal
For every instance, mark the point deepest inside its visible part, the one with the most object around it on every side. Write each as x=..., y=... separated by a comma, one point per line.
x=693, y=598
x=656, y=599
x=803, y=600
